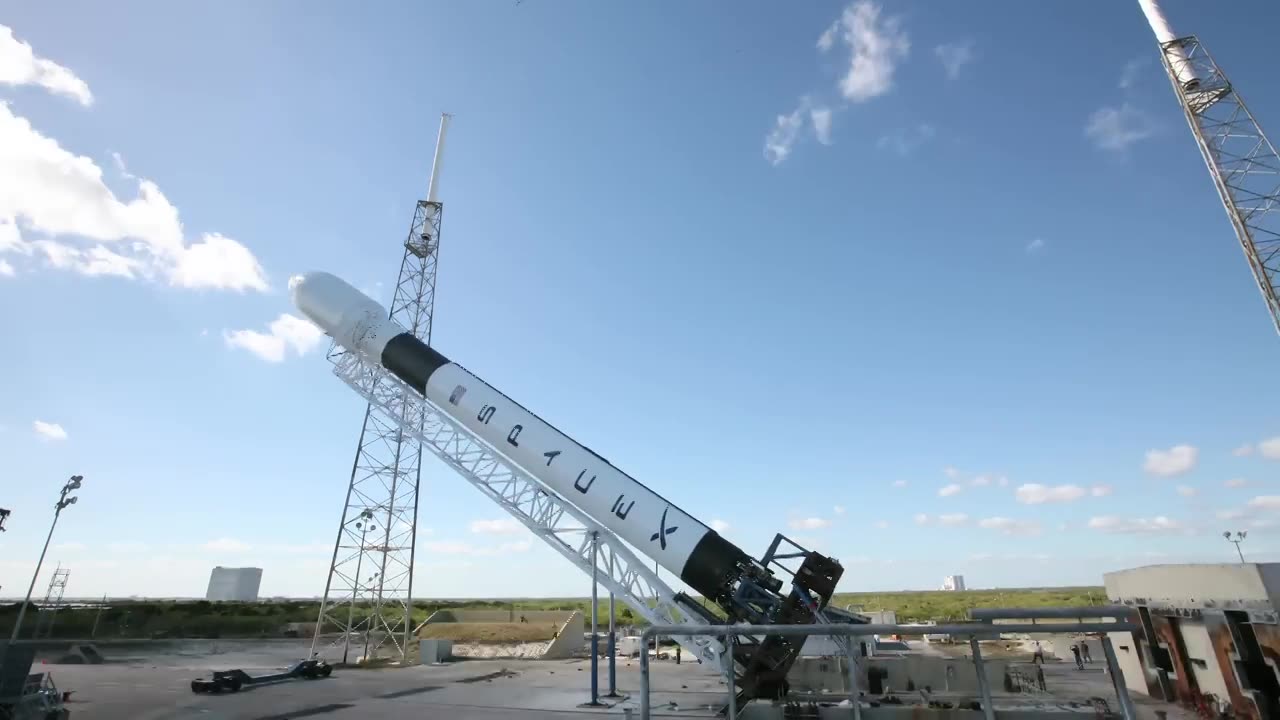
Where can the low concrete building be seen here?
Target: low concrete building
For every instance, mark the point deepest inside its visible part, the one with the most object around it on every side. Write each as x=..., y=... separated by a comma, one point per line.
x=1206, y=630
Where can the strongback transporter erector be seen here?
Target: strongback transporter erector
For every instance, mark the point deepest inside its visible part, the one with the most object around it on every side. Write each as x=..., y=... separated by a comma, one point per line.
x=742, y=587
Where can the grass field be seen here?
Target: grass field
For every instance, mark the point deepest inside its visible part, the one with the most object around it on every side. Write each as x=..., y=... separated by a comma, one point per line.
x=199, y=618
x=490, y=633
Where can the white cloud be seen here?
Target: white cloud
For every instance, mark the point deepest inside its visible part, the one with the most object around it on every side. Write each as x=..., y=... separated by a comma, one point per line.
x=786, y=129
x=1009, y=526
x=811, y=523
x=52, y=431
x=951, y=472
x=1036, y=494
x=1243, y=451
x=954, y=56
x=218, y=262
x=899, y=483
x=226, y=545
x=1174, y=461
x=501, y=526
x=875, y=47
x=1100, y=490
x=719, y=525
x=821, y=119
x=882, y=524
x=1235, y=483
x=1266, y=502
x=827, y=39
x=286, y=332
x=1035, y=245
x=985, y=479
x=57, y=194
x=949, y=490
x=1129, y=74
x=905, y=141
x=1115, y=129
x=1187, y=491
x=1113, y=524
x=19, y=65
x=1270, y=448
x=945, y=519
x=838, y=509
x=6, y=269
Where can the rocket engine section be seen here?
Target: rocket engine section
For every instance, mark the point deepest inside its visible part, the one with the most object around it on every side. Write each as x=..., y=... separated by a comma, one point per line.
x=714, y=567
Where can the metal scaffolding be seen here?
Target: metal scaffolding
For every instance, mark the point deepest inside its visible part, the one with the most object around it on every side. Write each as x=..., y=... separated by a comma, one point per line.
x=1242, y=161
x=368, y=596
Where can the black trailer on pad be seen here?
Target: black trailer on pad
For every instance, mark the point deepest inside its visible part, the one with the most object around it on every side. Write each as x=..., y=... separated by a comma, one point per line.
x=233, y=680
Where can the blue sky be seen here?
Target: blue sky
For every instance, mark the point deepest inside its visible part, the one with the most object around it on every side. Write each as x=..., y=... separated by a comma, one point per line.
x=953, y=294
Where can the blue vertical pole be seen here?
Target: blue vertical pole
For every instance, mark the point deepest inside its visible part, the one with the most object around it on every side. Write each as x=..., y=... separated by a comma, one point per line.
x=595, y=633
x=613, y=651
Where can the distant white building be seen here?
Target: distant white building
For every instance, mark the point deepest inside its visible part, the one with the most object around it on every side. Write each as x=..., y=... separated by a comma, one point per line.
x=953, y=583
x=237, y=584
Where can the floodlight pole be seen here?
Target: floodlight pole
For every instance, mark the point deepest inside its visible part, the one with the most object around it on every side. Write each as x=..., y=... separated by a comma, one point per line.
x=63, y=501
x=1239, y=538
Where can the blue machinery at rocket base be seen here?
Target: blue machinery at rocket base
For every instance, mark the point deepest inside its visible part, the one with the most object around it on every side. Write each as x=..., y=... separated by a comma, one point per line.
x=572, y=479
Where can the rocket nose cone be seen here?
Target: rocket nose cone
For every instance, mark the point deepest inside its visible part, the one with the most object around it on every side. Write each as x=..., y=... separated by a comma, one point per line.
x=325, y=299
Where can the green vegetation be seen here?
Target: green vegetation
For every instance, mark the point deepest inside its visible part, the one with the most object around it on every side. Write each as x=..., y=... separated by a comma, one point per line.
x=916, y=606
x=202, y=619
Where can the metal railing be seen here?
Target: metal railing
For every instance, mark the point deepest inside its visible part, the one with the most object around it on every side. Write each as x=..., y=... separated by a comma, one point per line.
x=970, y=630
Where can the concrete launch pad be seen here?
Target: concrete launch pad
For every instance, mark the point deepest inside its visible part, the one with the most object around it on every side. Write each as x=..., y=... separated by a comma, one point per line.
x=151, y=681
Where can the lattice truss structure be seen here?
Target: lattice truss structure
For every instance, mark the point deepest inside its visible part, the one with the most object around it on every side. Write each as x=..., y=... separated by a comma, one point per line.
x=563, y=527
x=1242, y=161
x=369, y=592
x=52, y=601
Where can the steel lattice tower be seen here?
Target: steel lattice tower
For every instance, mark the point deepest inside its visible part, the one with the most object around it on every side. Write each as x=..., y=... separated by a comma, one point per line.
x=52, y=601
x=1242, y=161
x=368, y=597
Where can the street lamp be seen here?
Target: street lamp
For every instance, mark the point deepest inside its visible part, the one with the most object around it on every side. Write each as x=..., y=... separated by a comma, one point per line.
x=1237, y=539
x=65, y=499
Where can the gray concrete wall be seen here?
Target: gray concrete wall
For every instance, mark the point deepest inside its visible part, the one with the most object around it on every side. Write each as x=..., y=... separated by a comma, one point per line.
x=1130, y=660
x=558, y=617
x=1190, y=585
x=1200, y=647
x=570, y=640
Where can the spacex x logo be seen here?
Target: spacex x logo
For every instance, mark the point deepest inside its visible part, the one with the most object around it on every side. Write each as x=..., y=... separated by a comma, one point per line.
x=663, y=530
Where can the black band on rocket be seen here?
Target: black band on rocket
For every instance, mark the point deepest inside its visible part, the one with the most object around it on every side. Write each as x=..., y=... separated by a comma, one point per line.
x=411, y=360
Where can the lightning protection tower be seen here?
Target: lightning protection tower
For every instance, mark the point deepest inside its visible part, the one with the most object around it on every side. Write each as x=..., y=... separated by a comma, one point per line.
x=1242, y=161
x=368, y=596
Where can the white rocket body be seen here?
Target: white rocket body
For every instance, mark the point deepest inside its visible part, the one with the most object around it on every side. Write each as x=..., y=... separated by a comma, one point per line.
x=1182, y=69
x=641, y=517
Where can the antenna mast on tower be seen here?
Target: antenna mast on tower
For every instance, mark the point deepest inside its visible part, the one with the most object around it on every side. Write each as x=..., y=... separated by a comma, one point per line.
x=368, y=596
x=1242, y=161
